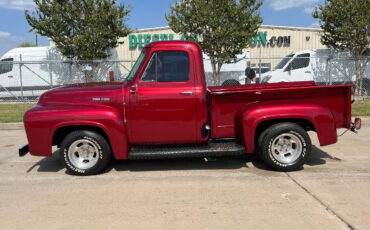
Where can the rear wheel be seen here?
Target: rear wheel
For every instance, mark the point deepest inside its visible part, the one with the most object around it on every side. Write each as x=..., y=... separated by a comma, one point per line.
x=284, y=146
x=85, y=152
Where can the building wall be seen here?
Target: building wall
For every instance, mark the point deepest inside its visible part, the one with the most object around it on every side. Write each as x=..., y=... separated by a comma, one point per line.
x=300, y=39
x=270, y=52
x=126, y=53
x=293, y=39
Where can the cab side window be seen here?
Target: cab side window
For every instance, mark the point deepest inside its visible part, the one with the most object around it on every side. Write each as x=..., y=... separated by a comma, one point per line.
x=167, y=66
x=6, y=67
x=301, y=61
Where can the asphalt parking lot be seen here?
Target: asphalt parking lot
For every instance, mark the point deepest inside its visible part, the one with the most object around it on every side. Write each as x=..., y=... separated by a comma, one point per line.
x=331, y=192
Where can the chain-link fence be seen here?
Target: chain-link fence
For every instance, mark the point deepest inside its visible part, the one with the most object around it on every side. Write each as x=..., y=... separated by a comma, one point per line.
x=25, y=80
x=322, y=68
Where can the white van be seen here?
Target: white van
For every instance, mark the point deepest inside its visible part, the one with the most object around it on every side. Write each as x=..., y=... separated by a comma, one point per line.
x=320, y=65
x=42, y=68
x=32, y=76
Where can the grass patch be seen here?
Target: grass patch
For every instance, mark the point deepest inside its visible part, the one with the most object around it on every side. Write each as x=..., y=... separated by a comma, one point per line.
x=13, y=112
x=361, y=108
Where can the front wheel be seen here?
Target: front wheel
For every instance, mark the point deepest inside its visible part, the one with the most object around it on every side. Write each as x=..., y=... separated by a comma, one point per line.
x=285, y=146
x=85, y=152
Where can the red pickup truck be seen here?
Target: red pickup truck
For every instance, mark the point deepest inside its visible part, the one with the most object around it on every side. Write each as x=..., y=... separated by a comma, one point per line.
x=164, y=110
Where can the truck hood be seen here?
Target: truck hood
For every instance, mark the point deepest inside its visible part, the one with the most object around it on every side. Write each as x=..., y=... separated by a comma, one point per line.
x=271, y=74
x=89, y=85
x=83, y=94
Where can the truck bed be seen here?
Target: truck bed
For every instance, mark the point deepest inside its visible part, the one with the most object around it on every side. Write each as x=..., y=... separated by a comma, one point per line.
x=226, y=100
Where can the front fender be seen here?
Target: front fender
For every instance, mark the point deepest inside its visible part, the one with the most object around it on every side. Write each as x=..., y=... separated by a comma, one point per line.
x=42, y=122
x=249, y=116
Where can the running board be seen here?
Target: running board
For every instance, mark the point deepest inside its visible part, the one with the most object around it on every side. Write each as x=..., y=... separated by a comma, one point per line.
x=212, y=149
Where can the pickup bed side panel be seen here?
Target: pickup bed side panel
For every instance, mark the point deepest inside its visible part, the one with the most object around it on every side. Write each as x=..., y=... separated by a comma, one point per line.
x=227, y=100
x=248, y=117
x=42, y=122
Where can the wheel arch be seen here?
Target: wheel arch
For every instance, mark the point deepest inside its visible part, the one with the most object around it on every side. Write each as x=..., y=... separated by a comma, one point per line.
x=252, y=119
x=262, y=126
x=60, y=133
x=118, y=148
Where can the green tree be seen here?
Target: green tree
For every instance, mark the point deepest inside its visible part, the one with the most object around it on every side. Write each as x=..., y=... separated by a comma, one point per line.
x=81, y=29
x=346, y=26
x=26, y=44
x=222, y=28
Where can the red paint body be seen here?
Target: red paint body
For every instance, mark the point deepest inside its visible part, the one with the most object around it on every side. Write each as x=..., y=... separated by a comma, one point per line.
x=147, y=113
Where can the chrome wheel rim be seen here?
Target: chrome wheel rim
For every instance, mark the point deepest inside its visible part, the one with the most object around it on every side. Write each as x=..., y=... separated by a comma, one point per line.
x=83, y=154
x=286, y=148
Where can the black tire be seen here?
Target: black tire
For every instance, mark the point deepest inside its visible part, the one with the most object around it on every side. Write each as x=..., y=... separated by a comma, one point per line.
x=100, y=152
x=230, y=82
x=289, y=140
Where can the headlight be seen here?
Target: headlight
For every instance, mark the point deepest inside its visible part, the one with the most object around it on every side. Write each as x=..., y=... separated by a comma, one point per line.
x=266, y=79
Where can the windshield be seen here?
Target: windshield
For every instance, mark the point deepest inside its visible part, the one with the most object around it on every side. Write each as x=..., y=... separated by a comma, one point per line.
x=136, y=66
x=283, y=62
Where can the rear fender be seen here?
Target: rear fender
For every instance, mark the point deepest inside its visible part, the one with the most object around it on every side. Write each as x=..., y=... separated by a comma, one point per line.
x=249, y=116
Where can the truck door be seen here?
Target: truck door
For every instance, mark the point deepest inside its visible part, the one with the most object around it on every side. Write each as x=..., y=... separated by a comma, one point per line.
x=162, y=102
x=299, y=68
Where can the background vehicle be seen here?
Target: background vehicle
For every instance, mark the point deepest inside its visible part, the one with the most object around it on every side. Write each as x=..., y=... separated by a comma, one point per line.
x=32, y=71
x=231, y=73
x=34, y=77
x=164, y=110
x=324, y=66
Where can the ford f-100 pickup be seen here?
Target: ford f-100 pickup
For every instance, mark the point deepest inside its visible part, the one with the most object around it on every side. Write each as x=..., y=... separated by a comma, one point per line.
x=165, y=110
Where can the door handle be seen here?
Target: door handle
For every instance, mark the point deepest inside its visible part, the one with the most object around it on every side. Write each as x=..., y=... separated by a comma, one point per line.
x=133, y=89
x=187, y=93
x=307, y=71
x=10, y=76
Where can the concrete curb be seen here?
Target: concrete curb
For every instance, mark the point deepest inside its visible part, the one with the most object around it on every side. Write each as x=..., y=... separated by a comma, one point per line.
x=365, y=121
x=12, y=126
x=19, y=125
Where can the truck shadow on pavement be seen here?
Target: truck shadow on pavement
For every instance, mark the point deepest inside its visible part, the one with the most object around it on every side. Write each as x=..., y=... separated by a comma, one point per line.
x=319, y=157
x=199, y=163
x=48, y=164
x=53, y=164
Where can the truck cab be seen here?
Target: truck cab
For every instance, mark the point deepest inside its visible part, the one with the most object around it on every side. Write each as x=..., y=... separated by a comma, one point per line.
x=294, y=67
x=170, y=86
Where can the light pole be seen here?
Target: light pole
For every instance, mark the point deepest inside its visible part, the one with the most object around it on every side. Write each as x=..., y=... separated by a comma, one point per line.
x=37, y=42
x=36, y=37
